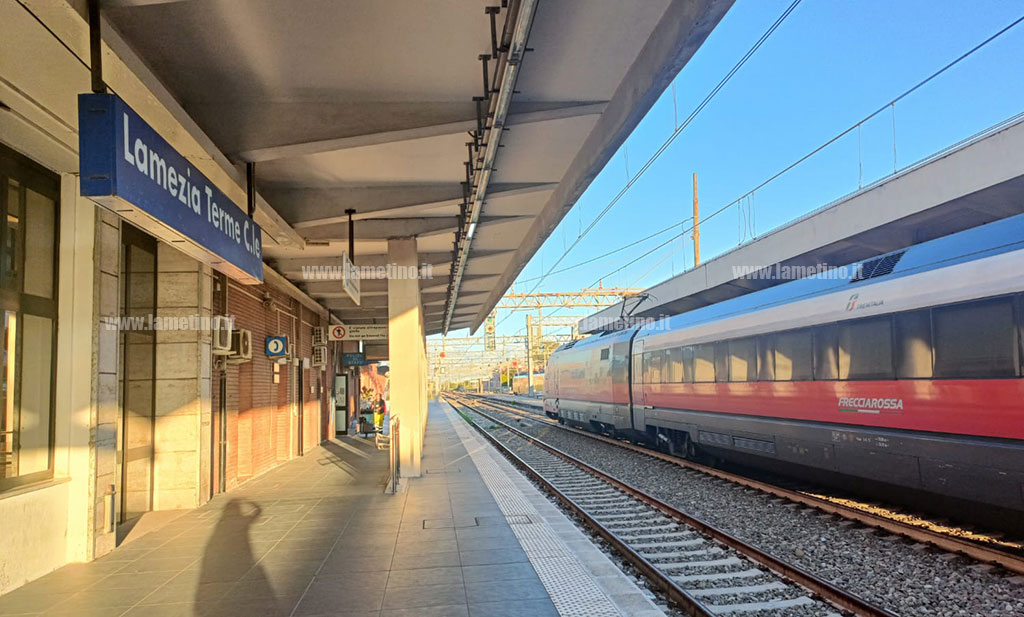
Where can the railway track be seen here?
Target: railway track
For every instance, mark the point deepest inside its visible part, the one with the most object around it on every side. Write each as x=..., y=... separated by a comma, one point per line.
x=978, y=547
x=702, y=570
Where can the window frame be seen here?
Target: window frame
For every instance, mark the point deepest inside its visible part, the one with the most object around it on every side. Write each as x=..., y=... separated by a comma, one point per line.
x=818, y=333
x=753, y=342
x=766, y=348
x=897, y=340
x=1016, y=325
x=809, y=332
x=31, y=176
x=890, y=319
x=696, y=349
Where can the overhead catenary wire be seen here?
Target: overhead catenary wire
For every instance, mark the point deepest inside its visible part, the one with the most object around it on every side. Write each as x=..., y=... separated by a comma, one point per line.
x=751, y=192
x=664, y=146
x=608, y=254
x=838, y=136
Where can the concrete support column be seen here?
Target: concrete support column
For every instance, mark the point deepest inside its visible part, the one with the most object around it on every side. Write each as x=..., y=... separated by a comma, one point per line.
x=106, y=367
x=405, y=355
x=75, y=452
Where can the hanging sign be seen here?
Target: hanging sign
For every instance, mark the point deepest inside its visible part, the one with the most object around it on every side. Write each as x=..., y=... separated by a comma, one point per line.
x=354, y=359
x=358, y=333
x=128, y=167
x=350, y=278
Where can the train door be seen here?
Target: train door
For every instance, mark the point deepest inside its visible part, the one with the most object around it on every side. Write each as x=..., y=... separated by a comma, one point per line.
x=639, y=407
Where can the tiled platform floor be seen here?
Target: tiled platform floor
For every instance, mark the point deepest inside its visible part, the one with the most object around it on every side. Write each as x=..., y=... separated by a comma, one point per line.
x=317, y=536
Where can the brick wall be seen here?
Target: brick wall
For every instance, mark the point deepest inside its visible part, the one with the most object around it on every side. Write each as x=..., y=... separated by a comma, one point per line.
x=262, y=416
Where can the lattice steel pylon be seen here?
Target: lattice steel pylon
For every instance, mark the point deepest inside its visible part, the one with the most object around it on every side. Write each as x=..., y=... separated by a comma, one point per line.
x=462, y=358
x=596, y=297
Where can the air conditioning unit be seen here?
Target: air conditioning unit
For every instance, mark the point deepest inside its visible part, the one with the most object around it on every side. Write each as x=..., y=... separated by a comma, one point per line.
x=320, y=356
x=241, y=347
x=221, y=330
x=319, y=337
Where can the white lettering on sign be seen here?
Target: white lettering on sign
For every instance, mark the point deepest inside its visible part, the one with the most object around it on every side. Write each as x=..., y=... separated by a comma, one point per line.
x=180, y=186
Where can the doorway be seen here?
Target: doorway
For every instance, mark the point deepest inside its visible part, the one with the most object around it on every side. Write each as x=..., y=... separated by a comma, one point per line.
x=302, y=404
x=137, y=391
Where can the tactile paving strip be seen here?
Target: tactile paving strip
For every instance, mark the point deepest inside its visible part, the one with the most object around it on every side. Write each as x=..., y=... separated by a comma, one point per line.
x=572, y=590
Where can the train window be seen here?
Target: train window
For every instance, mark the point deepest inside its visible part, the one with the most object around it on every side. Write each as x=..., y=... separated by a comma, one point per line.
x=704, y=362
x=638, y=368
x=975, y=339
x=793, y=356
x=674, y=365
x=604, y=353
x=766, y=358
x=826, y=352
x=865, y=349
x=743, y=359
x=656, y=366
x=688, y=364
x=722, y=361
x=914, y=345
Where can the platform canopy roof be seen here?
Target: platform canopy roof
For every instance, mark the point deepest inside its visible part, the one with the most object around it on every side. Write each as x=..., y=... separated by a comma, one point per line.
x=370, y=105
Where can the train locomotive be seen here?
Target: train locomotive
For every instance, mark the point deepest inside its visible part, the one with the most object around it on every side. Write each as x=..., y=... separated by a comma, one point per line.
x=904, y=369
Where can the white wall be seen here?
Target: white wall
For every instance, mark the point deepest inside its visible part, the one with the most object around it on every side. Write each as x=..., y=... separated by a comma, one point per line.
x=35, y=525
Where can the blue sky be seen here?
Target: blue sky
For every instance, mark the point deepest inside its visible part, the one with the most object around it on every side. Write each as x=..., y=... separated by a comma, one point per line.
x=830, y=64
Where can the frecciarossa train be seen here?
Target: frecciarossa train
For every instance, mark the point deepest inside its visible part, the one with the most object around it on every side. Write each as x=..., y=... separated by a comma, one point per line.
x=907, y=370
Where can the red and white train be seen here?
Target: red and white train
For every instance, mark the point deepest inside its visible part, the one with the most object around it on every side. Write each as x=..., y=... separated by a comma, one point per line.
x=905, y=371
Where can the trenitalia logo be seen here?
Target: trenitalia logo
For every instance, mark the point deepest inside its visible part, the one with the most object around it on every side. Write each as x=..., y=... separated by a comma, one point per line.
x=870, y=405
x=854, y=305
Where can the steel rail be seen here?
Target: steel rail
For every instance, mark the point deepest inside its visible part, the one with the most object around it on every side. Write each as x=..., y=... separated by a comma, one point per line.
x=939, y=540
x=818, y=586
x=676, y=594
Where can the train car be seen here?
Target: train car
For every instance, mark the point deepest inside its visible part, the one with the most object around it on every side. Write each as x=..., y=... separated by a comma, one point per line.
x=588, y=381
x=905, y=369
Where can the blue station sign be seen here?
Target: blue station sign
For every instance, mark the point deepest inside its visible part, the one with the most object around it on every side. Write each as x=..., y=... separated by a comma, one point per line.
x=276, y=346
x=129, y=168
x=354, y=359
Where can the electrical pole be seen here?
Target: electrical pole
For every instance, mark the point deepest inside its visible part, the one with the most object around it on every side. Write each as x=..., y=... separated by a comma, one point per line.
x=529, y=353
x=696, y=225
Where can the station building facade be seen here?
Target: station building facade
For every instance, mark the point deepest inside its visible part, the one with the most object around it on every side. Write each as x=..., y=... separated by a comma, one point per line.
x=116, y=396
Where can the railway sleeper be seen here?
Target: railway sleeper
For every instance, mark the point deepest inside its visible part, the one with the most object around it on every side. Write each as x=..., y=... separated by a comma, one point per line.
x=628, y=526
x=628, y=515
x=601, y=501
x=675, y=544
x=622, y=506
x=724, y=562
x=770, y=605
x=714, y=577
x=668, y=536
x=680, y=555
x=728, y=591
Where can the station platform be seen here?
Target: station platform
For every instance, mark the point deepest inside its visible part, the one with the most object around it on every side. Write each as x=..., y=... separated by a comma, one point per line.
x=318, y=536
